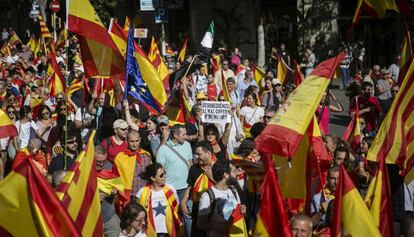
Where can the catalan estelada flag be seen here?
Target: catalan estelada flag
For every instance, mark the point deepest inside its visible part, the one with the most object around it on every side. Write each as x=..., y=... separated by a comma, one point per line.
x=272, y=219
x=149, y=72
x=406, y=55
x=100, y=56
x=7, y=128
x=156, y=59
x=286, y=129
x=378, y=8
x=351, y=214
x=183, y=50
x=378, y=200
x=79, y=193
x=394, y=140
x=29, y=207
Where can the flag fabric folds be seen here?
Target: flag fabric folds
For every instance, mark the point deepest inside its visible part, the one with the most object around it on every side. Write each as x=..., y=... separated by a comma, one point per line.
x=148, y=71
x=29, y=206
x=14, y=39
x=378, y=200
x=203, y=54
x=156, y=59
x=352, y=133
x=378, y=8
x=272, y=218
x=79, y=193
x=100, y=56
x=406, y=55
x=282, y=70
x=183, y=50
x=351, y=215
x=56, y=83
x=258, y=73
x=286, y=129
x=135, y=85
x=297, y=73
x=43, y=28
x=32, y=43
x=7, y=128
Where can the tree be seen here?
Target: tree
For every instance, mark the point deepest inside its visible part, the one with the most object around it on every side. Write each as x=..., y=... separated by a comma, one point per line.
x=105, y=9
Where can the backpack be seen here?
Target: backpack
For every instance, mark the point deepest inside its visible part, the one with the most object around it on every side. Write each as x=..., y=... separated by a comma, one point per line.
x=217, y=204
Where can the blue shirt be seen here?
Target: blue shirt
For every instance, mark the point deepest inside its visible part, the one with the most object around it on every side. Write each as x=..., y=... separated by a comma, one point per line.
x=242, y=86
x=175, y=168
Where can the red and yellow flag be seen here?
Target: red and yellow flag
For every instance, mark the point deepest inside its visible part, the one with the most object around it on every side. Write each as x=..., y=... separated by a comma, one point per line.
x=156, y=59
x=100, y=55
x=43, y=28
x=56, y=83
x=351, y=214
x=297, y=73
x=282, y=70
x=378, y=8
x=29, y=207
x=126, y=24
x=272, y=219
x=32, y=43
x=258, y=73
x=149, y=72
x=183, y=50
x=61, y=39
x=352, y=133
x=14, y=39
x=394, y=140
x=286, y=129
x=6, y=49
x=79, y=193
x=226, y=93
x=7, y=128
x=378, y=200
x=406, y=55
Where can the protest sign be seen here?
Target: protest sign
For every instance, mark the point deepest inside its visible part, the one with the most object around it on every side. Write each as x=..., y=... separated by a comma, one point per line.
x=216, y=112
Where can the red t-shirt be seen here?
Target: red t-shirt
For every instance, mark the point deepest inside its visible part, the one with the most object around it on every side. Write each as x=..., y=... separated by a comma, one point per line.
x=372, y=116
x=112, y=148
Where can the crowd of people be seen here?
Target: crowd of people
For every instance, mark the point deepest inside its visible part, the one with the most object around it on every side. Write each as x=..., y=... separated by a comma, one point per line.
x=184, y=178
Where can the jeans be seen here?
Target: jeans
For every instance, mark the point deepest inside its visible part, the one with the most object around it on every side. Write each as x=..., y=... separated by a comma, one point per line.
x=345, y=76
x=187, y=221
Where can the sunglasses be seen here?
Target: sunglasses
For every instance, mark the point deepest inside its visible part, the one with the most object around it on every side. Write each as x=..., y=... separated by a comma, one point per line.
x=45, y=113
x=11, y=112
x=71, y=142
x=394, y=91
x=268, y=117
x=162, y=175
x=210, y=134
x=123, y=129
x=60, y=98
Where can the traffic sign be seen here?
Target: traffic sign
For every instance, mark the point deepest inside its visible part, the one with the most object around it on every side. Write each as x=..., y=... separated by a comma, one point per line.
x=55, y=6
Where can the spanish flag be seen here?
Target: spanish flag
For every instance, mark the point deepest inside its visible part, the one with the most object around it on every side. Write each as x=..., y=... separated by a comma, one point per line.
x=226, y=93
x=100, y=55
x=79, y=193
x=297, y=73
x=29, y=207
x=32, y=43
x=156, y=59
x=272, y=219
x=286, y=129
x=183, y=50
x=56, y=83
x=378, y=200
x=351, y=215
x=352, y=133
x=378, y=8
x=406, y=55
x=394, y=140
x=7, y=128
x=149, y=72
x=258, y=73
x=282, y=70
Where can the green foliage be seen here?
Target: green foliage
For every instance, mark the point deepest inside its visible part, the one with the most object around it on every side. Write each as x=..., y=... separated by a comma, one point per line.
x=105, y=9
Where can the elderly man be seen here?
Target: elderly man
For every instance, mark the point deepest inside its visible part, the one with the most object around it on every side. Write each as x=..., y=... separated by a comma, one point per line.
x=301, y=226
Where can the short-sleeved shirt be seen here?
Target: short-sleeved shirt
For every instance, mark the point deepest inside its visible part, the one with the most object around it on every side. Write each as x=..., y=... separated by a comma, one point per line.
x=383, y=84
x=252, y=115
x=24, y=130
x=112, y=148
x=175, y=168
x=371, y=117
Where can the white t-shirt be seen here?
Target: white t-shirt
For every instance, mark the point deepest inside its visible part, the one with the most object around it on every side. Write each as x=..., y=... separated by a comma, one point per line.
x=250, y=116
x=140, y=234
x=159, y=205
x=204, y=205
x=24, y=132
x=83, y=117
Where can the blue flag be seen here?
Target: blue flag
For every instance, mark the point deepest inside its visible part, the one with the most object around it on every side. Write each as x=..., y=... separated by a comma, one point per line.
x=135, y=85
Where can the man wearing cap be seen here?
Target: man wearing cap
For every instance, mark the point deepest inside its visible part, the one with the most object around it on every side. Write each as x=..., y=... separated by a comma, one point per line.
x=117, y=142
x=273, y=97
x=383, y=89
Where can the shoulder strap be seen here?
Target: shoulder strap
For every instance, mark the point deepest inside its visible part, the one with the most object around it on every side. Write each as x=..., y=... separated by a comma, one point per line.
x=212, y=203
x=234, y=191
x=178, y=154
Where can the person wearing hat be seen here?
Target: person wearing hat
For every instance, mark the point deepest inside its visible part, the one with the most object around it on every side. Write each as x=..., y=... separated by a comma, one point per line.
x=201, y=96
x=117, y=142
x=275, y=97
x=383, y=89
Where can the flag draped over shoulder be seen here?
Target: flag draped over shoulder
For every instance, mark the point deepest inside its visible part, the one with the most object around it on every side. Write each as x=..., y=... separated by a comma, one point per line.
x=378, y=8
x=156, y=59
x=79, y=193
x=7, y=128
x=272, y=218
x=394, y=140
x=148, y=71
x=183, y=50
x=406, y=55
x=286, y=129
x=29, y=207
x=100, y=56
x=351, y=214
x=378, y=200
x=135, y=85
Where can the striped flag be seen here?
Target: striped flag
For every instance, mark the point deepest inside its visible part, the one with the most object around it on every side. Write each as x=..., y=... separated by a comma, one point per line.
x=286, y=129
x=350, y=212
x=258, y=73
x=183, y=50
x=56, y=83
x=29, y=207
x=352, y=133
x=272, y=219
x=406, y=55
x=14, y=39
x=126, y=24
x=378, y=200
x=32, y=44
x=282, y=70
x=394, y=140
x=203, y=54
x=79, y=193
x=156, y=59
x=7, y=128
x=378, y=8
x=43, y=28
x=100, y=55
x=297, y=73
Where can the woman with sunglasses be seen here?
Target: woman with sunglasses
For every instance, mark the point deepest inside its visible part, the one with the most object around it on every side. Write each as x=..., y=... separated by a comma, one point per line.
x=160, y=200
x=133, y=221
x=45, y=123
x=211, y=133
x=11, y=112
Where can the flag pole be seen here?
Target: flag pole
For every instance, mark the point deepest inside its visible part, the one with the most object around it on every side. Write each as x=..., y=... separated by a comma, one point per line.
x=188, y=69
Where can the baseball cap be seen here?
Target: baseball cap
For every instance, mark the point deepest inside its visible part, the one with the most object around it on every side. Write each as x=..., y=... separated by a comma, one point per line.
x=162, y=120
x=120, y=123
x=276, y=81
